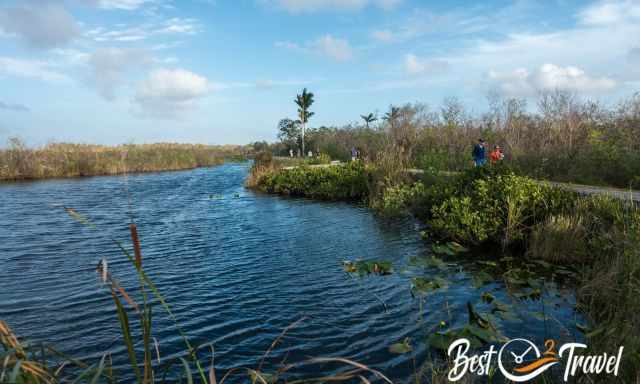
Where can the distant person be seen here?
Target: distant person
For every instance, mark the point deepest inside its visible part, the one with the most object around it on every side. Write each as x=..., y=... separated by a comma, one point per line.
x=354, y=153
x=290, y=152
x=310, y=153
x=479, y=157
x=496, y=155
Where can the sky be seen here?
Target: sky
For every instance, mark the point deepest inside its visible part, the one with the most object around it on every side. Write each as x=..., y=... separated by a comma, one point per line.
x=226, y=71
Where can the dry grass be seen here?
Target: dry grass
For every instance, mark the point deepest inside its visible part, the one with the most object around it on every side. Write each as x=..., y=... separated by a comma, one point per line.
x=72, y=160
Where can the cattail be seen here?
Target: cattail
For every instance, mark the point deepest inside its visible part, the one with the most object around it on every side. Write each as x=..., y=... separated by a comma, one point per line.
x=136, y=245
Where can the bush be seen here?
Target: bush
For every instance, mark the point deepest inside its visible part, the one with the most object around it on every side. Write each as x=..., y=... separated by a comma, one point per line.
x=491, y=204
x=347, y=182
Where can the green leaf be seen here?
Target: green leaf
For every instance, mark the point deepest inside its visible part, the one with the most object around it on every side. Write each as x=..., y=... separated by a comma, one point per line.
x=401, y=348
x=126, y=334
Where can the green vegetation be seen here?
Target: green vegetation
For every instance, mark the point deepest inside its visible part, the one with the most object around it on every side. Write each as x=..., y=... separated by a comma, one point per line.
x=566, y=139
x=517, y=216
x=72, y=160
x=347, y=182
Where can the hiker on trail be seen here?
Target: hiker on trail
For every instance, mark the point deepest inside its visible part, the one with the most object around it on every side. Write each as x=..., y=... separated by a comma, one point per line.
x=496, y=155
x=290, y=152
x=479, y=154
x=354, y=153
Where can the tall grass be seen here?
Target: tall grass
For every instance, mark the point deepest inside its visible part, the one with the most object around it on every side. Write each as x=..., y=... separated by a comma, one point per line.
x=72, y=160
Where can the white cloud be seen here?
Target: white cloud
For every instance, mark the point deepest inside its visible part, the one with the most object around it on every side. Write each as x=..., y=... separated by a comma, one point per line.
x=40, y=25
x=521, y=82
x=333, y=47
x=33, y=69
x=610, y=13
x=336, y=48
x=109, y=66
x=173, y=26
x=128, y=5
x=418, y=66
x=307, y=6
x=165, y=93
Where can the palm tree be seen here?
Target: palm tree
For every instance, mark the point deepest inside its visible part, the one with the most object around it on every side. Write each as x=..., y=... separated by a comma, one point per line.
x=392, y=115
x=304, y=102
x=370, y=118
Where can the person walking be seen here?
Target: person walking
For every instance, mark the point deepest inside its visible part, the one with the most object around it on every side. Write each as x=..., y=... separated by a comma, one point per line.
x=478, y=154
x=290, y=152
x=354, y=153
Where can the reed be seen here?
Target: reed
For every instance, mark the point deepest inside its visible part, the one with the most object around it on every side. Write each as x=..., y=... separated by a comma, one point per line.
x=72, y=160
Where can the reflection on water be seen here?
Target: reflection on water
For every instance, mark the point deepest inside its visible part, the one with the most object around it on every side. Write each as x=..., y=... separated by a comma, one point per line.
x=238, y=267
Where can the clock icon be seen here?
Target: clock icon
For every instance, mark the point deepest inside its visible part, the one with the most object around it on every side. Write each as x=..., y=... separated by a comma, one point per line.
x=520, y=360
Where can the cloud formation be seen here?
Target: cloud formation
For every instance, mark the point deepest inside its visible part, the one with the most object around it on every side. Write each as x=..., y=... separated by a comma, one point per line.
x=165, y=93
x=418, y=66
x=522, y=83
x=109, y=66
x=610, y=12
x=170, y=27
x=308, y=6
x=40, y=25
x=128, y=5
x=333, y=47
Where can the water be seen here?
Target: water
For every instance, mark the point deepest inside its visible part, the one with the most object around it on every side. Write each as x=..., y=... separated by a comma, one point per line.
x=237, y=268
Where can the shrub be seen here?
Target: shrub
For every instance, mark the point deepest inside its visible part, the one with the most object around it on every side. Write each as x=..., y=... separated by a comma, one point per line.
x=491, y=204
x=347, y=182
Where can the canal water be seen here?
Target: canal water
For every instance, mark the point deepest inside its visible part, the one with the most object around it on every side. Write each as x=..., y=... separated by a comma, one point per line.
x=238, y=267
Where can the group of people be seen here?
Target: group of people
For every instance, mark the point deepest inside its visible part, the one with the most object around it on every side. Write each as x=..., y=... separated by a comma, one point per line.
x=480, y=157
x=309, y=154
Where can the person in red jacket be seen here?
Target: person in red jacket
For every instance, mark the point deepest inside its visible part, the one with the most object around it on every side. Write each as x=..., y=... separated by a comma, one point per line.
x=496, y=155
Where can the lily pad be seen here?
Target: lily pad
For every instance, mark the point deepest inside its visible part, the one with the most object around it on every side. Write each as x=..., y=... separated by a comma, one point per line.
x=361, y=267
x=401, y=348
x=487, y=297
x=423, y=285
x=481, y=278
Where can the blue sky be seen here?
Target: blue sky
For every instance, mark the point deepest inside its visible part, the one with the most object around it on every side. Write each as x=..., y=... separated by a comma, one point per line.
x=225, y=71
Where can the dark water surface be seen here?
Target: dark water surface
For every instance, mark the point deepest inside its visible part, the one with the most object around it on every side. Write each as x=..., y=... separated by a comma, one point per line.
x=237, y=268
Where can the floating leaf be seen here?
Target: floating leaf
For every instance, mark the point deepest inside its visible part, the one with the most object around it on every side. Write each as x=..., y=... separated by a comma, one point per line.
x=487, y=297
x=401, y=348
x=422, y=285
x=361, y=267
x=481, y=278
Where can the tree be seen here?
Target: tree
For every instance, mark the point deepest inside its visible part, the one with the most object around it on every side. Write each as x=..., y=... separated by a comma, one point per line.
x=289, y=132
x=304, y=102
x=392, y=116
x=370, y=118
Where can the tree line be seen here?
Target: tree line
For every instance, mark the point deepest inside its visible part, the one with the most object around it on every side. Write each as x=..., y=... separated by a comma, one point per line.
x=562, y=137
